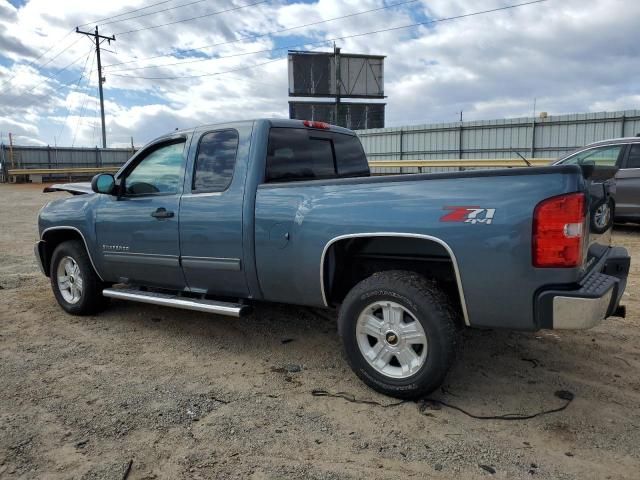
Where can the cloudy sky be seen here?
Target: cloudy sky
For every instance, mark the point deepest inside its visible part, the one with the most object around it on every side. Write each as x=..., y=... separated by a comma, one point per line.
x=572, y=55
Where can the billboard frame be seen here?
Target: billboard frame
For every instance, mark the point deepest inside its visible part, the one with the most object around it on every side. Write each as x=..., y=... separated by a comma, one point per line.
x=336, y=112
x=336, y=81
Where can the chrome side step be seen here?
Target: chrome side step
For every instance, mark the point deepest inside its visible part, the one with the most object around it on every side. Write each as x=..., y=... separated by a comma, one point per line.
x=210, y=306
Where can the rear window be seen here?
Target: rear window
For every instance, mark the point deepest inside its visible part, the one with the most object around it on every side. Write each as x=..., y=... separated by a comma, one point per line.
x=308, y=154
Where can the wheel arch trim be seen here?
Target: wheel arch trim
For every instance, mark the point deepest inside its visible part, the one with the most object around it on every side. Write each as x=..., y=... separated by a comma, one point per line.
x=84, y=240
x=437, y=240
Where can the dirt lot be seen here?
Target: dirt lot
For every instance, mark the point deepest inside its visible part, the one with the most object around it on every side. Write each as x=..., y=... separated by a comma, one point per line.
x=173, y=394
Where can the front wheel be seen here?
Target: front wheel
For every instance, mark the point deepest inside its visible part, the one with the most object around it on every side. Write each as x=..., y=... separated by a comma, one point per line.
x=75, y=284
x=398, y=331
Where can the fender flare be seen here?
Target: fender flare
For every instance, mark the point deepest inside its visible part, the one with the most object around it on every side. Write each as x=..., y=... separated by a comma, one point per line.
x=437, y=240
x=86, y=246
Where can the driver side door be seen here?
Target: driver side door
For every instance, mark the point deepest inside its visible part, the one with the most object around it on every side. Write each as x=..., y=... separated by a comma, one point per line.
x=137, y=230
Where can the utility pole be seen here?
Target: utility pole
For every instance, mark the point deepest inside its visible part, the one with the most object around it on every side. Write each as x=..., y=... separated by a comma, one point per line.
x=533, y=130
x=336, y=56
x=96, y=39
x=460, y=150
x=11, y=150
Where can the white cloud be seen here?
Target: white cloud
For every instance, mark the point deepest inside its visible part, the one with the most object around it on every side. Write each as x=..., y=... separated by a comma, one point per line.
x=571, y=55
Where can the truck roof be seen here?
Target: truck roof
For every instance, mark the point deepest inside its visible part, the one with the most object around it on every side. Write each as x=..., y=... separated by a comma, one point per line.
x=274, y=122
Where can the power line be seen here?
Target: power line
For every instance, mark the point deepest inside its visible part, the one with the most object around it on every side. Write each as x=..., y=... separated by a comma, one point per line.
x=59, y=88
x=95, y=121
x=55, y=74
x=153, y=13
x=73, y=43
x=430, y=22
x=61, y=52
x=84, y=102
x=248, y=67
x=258, y=36
x=205, y=74
x=66, y=116
x=252, y=37
x=194, y=18
x=5, y=82
x=99, y=22
x=287, y=47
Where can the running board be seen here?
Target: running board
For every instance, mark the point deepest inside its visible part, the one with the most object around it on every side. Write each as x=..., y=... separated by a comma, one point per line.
x=210, y=306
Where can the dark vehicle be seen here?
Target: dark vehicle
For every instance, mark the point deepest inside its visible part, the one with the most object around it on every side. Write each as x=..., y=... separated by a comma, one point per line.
x=221, y=217
x=623, y=153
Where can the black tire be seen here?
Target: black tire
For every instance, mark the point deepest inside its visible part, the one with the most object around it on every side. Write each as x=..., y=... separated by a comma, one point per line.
x=428, y=304
x=595, y=228
x=90, y=300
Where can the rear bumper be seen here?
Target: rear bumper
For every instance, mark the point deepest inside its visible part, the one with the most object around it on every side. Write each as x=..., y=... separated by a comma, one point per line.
x=596, y=298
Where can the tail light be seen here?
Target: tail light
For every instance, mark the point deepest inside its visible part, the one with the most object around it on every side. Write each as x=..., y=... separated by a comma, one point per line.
x=558, y=231
x=314, y=124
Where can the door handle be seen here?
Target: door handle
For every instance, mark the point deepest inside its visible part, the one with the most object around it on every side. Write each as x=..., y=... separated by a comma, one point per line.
x=162, y=213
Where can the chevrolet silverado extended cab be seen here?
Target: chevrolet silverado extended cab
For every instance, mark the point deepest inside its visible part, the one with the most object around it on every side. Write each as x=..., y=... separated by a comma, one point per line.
x=222, y=217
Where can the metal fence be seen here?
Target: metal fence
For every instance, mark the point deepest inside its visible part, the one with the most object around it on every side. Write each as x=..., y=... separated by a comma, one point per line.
x=60, y=157
x=532, y=137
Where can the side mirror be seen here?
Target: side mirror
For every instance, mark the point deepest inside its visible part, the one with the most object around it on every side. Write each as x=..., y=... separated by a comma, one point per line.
x=103, y=183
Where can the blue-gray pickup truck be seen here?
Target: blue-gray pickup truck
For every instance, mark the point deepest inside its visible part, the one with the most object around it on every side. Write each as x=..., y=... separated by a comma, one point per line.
x=222, y=217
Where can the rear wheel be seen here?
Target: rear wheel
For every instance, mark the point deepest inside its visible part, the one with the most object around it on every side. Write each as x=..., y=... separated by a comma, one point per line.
x=75, y=284
x=603, y=216
x=398, y=331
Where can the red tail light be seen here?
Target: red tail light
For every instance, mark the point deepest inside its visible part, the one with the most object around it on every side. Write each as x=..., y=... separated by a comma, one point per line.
x=314, y=124
x=558, y=231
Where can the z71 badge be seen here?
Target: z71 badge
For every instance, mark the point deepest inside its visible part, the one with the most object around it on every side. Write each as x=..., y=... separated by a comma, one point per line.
x=469, y=214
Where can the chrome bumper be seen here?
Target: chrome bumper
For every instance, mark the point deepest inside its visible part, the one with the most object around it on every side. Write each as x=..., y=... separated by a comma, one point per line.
x=588, y=302
x=580, y=313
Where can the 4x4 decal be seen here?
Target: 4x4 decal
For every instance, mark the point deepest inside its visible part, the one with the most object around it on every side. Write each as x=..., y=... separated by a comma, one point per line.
x=469, y=214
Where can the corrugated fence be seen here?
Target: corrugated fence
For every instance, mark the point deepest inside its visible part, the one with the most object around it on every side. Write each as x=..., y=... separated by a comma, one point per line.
x=548, y=137
x=61, y=157
x=533, y=137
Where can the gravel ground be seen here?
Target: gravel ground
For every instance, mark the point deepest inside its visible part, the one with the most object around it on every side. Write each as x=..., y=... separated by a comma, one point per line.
x=170, y=394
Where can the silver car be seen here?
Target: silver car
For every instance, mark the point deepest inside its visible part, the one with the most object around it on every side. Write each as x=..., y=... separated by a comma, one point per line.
x=625, y=154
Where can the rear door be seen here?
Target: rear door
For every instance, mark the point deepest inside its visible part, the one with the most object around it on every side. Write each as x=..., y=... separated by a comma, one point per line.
x=628, y=185
x=211, y=211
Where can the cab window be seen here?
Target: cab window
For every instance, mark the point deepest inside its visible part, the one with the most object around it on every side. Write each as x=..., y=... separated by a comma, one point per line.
x=296, y=154
x=160, y=172
x=215, y=161
x=602, y=156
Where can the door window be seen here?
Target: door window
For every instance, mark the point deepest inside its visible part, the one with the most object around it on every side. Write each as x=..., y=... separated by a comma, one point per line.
x=215, y=161
x=601, y=156
x=633, y=161
x=160, y=172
